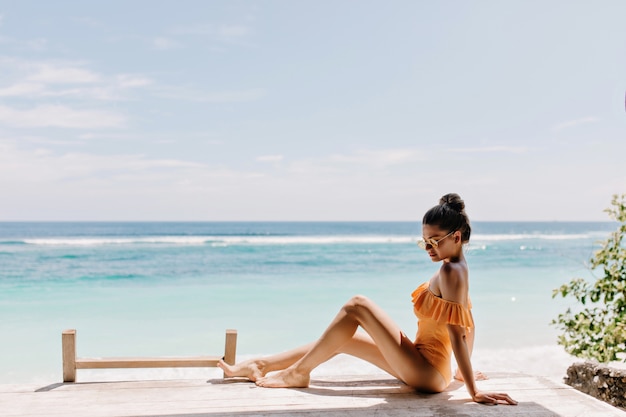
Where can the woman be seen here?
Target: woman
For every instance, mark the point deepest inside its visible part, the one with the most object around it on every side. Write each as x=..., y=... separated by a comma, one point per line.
x=445, y=324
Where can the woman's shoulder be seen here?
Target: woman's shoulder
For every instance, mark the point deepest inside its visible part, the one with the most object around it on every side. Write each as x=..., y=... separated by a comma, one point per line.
x=459, y=267
x=454, y=282
x=453, y=273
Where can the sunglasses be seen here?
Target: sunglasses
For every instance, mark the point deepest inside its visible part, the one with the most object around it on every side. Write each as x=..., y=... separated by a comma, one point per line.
x=425, y=242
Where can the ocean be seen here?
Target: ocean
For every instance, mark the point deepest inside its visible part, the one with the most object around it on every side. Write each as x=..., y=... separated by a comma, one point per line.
x=172, y=289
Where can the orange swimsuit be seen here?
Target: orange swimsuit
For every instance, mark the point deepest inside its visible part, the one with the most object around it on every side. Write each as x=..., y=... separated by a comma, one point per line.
x=434, y=314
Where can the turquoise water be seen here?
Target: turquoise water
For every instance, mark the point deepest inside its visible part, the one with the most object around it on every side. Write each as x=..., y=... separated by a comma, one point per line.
x=133, y=289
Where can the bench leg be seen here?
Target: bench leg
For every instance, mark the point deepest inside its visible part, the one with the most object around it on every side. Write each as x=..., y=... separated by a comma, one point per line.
x=68, y=341
x=230, y=349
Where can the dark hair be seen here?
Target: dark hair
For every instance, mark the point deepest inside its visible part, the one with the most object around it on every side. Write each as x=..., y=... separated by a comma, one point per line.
x=450, y=215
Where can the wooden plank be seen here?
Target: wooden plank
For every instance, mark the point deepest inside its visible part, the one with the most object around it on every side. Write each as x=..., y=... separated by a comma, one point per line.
x=160, y=362
x=230, y=348
x=68, y=342
x=358, y=396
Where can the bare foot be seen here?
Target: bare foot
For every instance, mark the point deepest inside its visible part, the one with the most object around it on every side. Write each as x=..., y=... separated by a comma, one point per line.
x=252, y=369
x=478, y=376
x=289, y=378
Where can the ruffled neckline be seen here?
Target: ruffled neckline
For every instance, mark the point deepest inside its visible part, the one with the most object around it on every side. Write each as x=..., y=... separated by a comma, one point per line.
x=428, y=305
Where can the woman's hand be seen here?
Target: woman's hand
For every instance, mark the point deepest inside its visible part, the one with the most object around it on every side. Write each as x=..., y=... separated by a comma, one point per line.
x=493, y=398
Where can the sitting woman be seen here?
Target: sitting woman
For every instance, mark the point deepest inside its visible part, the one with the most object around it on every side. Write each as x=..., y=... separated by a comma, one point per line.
x=445, y=324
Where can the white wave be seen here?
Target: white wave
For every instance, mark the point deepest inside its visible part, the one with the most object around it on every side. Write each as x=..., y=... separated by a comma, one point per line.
x=222, y=240
x=530, y=236
x=285, y=240
x=177, y=240
x=312, y=240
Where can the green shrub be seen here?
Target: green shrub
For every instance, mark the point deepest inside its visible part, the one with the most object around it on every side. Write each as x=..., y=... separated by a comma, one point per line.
x=598, y=329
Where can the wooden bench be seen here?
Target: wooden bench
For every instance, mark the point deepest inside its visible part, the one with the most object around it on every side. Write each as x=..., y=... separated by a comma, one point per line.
x=71, y=363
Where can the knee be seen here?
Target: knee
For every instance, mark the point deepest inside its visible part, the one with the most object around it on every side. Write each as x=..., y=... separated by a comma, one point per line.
x=357, y=305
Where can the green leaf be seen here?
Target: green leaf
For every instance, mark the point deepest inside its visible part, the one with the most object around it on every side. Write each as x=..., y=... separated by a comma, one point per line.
x=598, y=329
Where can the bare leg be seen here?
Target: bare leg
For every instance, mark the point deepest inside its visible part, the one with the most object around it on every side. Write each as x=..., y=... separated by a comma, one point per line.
x=397, y=353
x=361, y=346
x=254, y=369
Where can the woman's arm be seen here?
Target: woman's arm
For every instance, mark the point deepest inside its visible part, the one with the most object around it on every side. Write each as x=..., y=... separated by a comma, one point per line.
x=461, y=352
x=454, y=287
x=469, y=337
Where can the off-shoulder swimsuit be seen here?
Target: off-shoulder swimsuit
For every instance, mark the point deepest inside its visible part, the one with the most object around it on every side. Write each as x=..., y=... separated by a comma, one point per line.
x=434, y=314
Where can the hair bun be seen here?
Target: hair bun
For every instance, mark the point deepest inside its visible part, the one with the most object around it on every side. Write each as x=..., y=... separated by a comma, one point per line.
x=449, y=215
x=453, y=201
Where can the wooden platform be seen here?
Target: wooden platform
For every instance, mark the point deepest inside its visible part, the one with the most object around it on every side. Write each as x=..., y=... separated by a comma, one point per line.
x=361, y=395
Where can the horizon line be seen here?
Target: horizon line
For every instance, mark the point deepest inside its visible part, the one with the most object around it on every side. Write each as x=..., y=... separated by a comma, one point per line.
x=296, y=221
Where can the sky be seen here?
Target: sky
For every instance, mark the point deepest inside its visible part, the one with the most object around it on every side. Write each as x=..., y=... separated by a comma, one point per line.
x=310, y=110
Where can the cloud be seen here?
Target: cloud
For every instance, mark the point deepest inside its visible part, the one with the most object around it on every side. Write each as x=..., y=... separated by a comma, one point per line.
x=34, y=90
x=491, y=149
x=129, y=173
x=60, y=116
x=22, y=89
x=270, y=158
x=21, y=45
x=224, y=32
x=192, y=94
x=378, y=158
x=30, y=164
x=54, y=79
x=209, y=36
x=163, y=44
x=132, y=81
x=574, y=123
x=195, y=30
x=358, y=163
x=232, y=31
x=88, y=21
x=62, y=74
